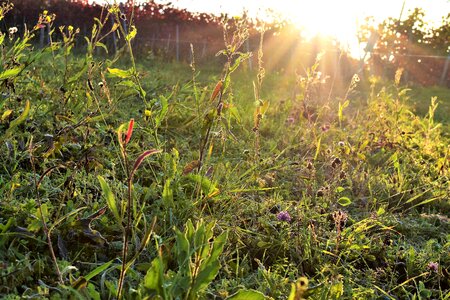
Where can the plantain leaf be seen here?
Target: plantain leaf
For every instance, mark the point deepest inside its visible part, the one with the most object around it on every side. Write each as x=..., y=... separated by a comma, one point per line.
x=167, y=195
x=211, y=266
x=247, y=295
x=110, y=200
x=344, y=201
x=154, y=280
x=119, y=73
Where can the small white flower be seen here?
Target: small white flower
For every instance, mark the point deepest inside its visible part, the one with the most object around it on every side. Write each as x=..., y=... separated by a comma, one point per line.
x=12, y=30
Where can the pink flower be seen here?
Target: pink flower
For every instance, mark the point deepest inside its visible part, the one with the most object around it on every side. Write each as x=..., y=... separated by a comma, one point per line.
x=433, y=266
x=284, y=216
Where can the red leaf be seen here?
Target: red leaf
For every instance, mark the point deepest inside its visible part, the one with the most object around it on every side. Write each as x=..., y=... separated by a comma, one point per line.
x=216, y=91
x=141, y=158
x=130, y=131
x=190, y=167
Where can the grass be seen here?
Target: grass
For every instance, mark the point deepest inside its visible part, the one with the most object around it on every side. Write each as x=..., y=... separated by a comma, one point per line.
x=282, y=195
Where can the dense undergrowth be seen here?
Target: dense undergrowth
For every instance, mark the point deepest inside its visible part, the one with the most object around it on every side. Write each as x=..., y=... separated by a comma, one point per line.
x=224, y=185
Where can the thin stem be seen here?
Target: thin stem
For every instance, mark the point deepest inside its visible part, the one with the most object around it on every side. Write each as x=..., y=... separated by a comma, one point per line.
x=44, y=223
x=127, y=228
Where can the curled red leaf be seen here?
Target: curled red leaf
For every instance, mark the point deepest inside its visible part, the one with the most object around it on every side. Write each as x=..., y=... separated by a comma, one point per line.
x=129, y=131
x=141, y=158
x=216, y=91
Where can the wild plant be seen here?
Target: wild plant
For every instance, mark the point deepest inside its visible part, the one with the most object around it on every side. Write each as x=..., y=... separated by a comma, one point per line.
x=196, y=255
x=261, y=106
x=124, y=215
x=234, y=58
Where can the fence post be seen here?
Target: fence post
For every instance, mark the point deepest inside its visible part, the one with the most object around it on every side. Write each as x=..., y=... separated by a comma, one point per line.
x=168, y=43
x=445, y=71
x=41, y=36
x=152, y=45
x=114, y=41
x=204, y=48
x=177, y=37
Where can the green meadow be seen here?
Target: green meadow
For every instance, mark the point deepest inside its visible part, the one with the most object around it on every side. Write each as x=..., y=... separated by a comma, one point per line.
x=127, y=176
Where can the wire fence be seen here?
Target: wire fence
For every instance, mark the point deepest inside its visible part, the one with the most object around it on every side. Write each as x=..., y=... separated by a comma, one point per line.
x=424, y=68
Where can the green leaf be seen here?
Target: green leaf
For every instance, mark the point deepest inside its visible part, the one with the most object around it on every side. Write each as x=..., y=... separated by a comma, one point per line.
x=153, y=280
x=110, y=200
x=119, y=73
x=163, y=112
x=98, y=270
x=206, y=185
x=130, y=84
x=167, y=195
x=340, y=189
x=10, y=73
x=101, y=45
x=247, y=295
x=344, y=201
x=79, y=74
x=210, y=267
x=132, y=33
x=19, y=120
x=318, y=148
x=182, y=250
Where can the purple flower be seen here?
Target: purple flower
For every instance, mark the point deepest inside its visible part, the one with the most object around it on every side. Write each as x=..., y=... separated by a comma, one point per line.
x=433, y=266
x=284, y=216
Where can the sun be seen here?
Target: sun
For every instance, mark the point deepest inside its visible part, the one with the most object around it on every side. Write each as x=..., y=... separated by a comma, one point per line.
x=333, y=19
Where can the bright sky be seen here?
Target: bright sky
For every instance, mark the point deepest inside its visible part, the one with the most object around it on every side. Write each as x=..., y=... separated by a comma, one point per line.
x=338, y=18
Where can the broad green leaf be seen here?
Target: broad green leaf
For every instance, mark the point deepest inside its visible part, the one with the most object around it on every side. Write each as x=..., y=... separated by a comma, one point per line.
x=264, y=107
x=153, y=280
x=182, y=249
x=207, y=186
x=210, y=267
x=10, y=73
x=167, y=195
x=340, y=189
x=163, y=112
x=344, y=201
x=110, y=200
x=130, y=84
x=247, y=295
x=119, y=73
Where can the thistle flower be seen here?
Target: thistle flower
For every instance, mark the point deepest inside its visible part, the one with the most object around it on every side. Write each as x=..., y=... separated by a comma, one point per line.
x=283, y=216
x=433, y=266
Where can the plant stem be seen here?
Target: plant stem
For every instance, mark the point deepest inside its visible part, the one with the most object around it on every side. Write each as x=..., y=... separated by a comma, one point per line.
x=127, y=228
x=44, y=223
